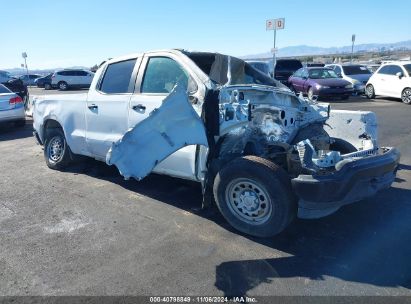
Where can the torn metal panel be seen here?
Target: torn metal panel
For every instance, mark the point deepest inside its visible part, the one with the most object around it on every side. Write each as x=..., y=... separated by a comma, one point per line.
x=263, y=116
x=169, y=128
x=359, y=128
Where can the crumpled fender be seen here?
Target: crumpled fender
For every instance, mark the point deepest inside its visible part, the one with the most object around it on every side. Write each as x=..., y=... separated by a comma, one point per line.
x=167, y=129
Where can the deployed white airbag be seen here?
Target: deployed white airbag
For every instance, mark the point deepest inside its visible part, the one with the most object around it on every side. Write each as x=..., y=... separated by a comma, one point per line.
x=167, y=129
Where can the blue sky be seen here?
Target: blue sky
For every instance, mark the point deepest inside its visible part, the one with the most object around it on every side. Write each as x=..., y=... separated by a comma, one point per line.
x=84, y=32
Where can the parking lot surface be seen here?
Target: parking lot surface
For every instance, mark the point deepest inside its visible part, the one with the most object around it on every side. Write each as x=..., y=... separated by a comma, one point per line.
x=86, y=231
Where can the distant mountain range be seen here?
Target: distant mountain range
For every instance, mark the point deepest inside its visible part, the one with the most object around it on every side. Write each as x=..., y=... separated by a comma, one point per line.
x=21, y=71
x=303, y=50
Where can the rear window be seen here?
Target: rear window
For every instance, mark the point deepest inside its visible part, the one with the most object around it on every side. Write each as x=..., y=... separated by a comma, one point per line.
x=4, y=90
x=355, y=70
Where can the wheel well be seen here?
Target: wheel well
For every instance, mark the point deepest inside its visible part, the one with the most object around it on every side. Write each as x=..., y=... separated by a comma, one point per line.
x=405, y=89
x=51, y=124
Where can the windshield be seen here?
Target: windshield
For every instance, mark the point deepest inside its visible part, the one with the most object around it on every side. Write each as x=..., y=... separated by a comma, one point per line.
x=240, y=72
x=407, y=67
x=355, y=70
x=322, y=74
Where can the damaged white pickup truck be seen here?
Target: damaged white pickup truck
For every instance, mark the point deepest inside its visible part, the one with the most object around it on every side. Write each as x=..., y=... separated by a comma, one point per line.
x=261, y=153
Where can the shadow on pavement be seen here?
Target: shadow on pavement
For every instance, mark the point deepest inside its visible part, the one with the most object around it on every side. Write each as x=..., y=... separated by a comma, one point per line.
x=9, y=131
x=368, y=242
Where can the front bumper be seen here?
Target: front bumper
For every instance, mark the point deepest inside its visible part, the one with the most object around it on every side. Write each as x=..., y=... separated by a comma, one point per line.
x=333, y=92
x=322, y=195
x=359, y=88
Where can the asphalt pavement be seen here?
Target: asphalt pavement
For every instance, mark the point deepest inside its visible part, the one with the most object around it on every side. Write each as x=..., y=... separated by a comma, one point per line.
x=86, y=231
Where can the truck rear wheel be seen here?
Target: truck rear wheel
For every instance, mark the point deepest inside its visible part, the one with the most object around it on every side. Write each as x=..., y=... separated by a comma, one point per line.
x=56, y=150
x=254, y=195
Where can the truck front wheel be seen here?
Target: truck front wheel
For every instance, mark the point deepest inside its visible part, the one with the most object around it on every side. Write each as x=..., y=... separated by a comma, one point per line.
x=56, y=150
x=254, y=195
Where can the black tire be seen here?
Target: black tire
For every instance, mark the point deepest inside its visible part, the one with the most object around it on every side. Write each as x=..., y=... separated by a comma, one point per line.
x=54, y=159
x=47, y=86
x=20, y=123
x=270, y=189
x=369, y=91
x=62, y=85
x=406, y=96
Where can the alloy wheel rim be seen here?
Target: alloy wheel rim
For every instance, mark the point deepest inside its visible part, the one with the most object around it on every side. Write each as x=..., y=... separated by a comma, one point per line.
x=370, y=91
x=248, y=201
x=310, y=94
x=406, y=96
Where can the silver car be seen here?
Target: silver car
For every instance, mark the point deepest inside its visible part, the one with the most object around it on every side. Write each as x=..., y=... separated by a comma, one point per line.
x=11, y=107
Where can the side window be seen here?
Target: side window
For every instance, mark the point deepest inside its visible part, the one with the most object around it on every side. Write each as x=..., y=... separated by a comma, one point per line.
x=162, y=74
x=81, y=73
x=298, y=73
x=304, y=73
x=117, y=77
x=385, y=70
x=395, y=69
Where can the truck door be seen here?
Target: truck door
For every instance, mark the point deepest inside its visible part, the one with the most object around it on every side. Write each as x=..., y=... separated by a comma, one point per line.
x=158, y=75
x=108, y=106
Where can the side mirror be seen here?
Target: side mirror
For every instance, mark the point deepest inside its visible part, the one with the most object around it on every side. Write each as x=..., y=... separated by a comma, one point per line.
x=399, y=75
x=304, y=77
x=340, y=75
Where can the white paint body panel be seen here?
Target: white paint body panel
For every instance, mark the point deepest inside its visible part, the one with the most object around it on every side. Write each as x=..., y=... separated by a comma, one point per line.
x=349, y=125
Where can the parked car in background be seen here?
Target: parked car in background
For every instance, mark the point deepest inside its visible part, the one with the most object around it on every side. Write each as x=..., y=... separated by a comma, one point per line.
x=5, y=76
x=392, y=80
x=29, y=79
x=260, y=66
x=44, y=82
x=321, y=82
x=65, y=79
x=357, y=74
x=17, y=86
x=11, y=107
x=284, y=68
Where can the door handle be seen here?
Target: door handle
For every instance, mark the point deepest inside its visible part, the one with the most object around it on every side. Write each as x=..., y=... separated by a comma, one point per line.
x=93, y=106
x=139, y=107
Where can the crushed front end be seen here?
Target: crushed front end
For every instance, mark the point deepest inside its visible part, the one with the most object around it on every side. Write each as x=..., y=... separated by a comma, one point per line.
x=332, y=157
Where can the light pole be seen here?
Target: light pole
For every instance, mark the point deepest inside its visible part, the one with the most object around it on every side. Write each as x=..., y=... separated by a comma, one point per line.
x=274, y=25
x=24, y=55
x=352, y=46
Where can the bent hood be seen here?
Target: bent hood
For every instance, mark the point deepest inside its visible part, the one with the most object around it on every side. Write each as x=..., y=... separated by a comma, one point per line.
x=169, y=128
